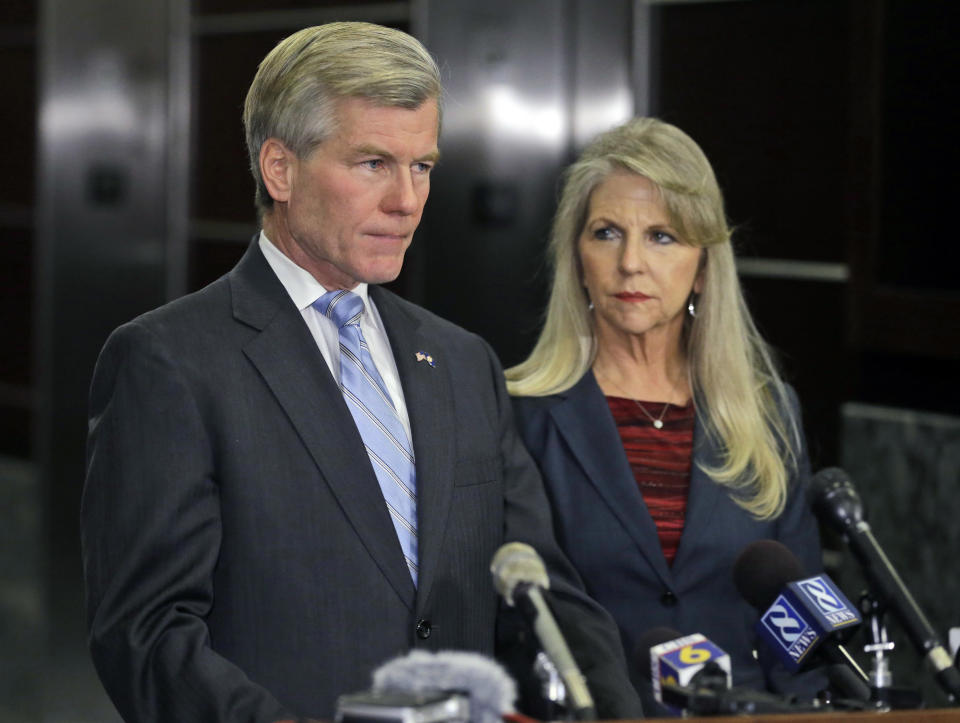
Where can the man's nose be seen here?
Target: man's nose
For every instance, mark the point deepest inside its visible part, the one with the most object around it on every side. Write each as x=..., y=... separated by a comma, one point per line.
x=402, y=196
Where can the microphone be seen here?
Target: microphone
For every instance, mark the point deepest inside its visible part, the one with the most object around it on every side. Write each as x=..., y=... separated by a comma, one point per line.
x=683, y=661
x=491, y=692
x=520, y=577
x=691, y=675
x=836, y=503
x=799, y=615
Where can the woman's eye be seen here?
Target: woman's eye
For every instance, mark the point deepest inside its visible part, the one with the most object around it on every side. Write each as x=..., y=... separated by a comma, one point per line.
x=605, y=233
x=662, y=237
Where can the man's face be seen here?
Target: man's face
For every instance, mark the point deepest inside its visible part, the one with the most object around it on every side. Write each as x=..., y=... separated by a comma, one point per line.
x=353, y=204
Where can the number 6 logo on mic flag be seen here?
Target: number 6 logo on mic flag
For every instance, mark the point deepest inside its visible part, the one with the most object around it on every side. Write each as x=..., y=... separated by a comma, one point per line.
x=693, y=654
x=680, y=659
x=676, y=663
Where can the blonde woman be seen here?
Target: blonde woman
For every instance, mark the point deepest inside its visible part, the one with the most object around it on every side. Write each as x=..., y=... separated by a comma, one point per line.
x=666, y=438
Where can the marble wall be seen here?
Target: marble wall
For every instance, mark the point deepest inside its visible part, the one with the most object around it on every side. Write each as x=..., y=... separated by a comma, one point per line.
x=22, y=619
x=46, y=675
x=906, y=466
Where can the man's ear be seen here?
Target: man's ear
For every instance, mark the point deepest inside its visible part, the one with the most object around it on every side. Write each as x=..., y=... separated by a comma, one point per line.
x=277, y=163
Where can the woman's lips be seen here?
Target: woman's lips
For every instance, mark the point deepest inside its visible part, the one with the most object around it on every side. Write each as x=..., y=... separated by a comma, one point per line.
x=631, y=296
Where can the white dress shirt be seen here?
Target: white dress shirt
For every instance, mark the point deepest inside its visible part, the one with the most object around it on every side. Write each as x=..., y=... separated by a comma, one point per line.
x=304, y=290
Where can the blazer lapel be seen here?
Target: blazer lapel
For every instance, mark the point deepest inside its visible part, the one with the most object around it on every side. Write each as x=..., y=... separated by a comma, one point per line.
x=586, y=424
x=428, y=395
x=286, y=355
x=704, y=496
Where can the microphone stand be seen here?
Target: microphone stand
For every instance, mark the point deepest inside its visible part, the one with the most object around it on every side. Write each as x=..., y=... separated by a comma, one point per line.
x=880, y=675
x=882, y=690
x=551, y=687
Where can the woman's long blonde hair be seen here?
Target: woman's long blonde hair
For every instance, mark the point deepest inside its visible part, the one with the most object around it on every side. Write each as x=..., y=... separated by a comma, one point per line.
x=736, y=387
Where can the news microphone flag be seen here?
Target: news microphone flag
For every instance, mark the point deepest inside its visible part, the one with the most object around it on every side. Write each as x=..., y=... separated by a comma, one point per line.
x=802, y=617
x=676, y=662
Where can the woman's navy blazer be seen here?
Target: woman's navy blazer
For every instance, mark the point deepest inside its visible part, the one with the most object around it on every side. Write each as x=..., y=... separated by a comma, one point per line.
x=604, y=526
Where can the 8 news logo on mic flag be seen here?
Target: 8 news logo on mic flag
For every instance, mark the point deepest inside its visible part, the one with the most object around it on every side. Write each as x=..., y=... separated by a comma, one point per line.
x=829, y=601
x=802, y=616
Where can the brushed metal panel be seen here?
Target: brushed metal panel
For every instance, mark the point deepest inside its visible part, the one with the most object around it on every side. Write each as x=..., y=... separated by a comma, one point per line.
x=505, y=139
x=604, y=76
x=527, y=84
x=106, y=186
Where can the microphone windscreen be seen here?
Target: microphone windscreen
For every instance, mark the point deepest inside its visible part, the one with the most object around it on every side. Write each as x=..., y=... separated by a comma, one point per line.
x=834, y=499
x=515, y=563
x=491, y=690
x=826, y=480
x=762, y=570
x=652, y=637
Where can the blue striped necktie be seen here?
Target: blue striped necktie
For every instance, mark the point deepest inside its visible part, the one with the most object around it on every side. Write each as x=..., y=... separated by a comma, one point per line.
x=376, y=418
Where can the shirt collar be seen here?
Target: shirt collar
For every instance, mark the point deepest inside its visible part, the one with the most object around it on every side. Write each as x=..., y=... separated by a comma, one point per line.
x=299, y=283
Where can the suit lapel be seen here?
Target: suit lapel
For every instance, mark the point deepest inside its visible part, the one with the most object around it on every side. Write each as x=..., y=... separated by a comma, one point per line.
x=286, y=355
x=586, y=424
x=428, y=395
x=704, y=496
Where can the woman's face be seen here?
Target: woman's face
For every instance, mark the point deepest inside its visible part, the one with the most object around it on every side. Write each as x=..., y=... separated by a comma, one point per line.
x=636, y=269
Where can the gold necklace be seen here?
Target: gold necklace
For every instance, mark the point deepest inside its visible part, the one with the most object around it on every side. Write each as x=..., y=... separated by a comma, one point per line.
x=657, y=421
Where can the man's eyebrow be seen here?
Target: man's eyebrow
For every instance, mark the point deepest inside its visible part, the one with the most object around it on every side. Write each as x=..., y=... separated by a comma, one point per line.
x=371, y=151
x=431, y=157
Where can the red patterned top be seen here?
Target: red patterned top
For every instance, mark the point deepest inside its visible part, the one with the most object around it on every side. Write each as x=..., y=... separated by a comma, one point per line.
x=661, y=460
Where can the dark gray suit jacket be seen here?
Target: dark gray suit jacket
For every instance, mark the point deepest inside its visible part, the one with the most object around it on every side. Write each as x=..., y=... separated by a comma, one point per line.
x=604, y=526
x=239, y=557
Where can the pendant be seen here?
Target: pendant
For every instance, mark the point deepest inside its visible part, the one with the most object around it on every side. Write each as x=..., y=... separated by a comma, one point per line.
x=658, y=424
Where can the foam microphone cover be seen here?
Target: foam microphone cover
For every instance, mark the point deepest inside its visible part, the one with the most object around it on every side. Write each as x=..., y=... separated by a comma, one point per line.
x=763, y=569
x=492, y=691
x=835, y=500
x=515, y=563
x=651, y=638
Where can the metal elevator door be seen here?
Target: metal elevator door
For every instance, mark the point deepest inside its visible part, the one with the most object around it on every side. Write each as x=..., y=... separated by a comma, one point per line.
x=528, y=83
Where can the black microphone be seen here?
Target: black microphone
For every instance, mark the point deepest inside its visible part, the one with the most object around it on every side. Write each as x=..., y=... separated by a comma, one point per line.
x=799, y=615
x=837, y=504
x=521, y=577
x=691, y=675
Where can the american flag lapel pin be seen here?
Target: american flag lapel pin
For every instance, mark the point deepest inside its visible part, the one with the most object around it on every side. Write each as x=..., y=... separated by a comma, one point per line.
x=423, y=356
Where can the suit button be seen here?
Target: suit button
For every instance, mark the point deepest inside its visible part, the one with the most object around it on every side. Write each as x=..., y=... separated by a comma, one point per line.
x=668, y=599
x=424, y=629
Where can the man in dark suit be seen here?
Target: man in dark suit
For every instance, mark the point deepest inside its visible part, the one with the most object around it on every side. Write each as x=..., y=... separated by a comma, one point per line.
x=280, y=497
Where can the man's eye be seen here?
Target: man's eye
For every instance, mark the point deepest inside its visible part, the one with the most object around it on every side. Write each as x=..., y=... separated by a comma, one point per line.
x=422, y=167
x=374, y=164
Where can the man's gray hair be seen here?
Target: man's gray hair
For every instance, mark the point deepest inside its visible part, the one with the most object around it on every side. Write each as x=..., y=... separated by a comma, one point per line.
x=293, y=95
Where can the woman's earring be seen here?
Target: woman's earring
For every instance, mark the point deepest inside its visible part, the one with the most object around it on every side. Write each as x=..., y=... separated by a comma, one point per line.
x=691, y=308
